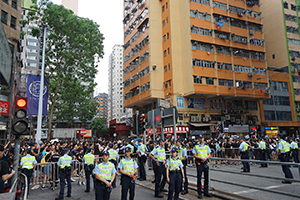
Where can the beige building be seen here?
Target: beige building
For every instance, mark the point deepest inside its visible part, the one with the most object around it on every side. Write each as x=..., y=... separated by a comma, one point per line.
x=71, y=4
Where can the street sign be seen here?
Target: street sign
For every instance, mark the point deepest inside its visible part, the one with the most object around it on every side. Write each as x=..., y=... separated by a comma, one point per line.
x=83, y=132
x=157, y=117
x=163, y=103
x=4, y=107
x=136, y=143
x=168, y=116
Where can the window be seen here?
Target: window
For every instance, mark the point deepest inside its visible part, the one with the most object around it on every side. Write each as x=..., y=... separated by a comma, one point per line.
x=168, y=50
x=3, y=17
x=224, y=66
x=286, y=5
x=210, y=81
x=240, y=39
x=163, y=9
x=201, y=31
x=13, y=22
x=14, y=3
x=197, y=79
x=292, y=29
x=166, y=69
x=205, y=2
x=293, y=7
x=5, y=1
x=219, y=5
x=168, y=35
x=223, y=50
x=261, y=86
x=167, y=5
x=273, y=56
x=31, y=57
x=290, y=17
x=165, y=38
x=203, y=63
x=224, y=82
x=251, y=105
x=281, y=116
x=238, y=104
x=238, y=24
x=279, y=86
x=278, y=100
x=165, y=53
x=164, y=23
x=202, y=47
x=169, y=66
x=200, y=15
x=167, y=19
x=239, y=68
x=32, y=64
x=255, y=27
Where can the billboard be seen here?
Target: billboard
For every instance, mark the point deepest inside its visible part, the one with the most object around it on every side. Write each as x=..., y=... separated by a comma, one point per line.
x=5, y=59
x=215, y=104
x=196, y=103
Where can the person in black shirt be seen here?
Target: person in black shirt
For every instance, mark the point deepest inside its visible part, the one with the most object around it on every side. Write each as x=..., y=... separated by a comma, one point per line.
x=4, y=170
x=54, y=159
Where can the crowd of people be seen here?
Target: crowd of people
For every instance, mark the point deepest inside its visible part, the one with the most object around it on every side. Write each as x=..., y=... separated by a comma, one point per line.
x=168, y=158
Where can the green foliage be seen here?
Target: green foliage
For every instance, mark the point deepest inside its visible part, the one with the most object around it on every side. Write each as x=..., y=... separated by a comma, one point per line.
x=73, y=45
x=98, y=125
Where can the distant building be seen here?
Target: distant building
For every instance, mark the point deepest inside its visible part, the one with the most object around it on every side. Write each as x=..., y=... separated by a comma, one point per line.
x=102, y=109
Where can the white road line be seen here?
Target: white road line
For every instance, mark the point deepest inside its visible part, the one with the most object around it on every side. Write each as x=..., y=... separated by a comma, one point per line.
x=269, y=187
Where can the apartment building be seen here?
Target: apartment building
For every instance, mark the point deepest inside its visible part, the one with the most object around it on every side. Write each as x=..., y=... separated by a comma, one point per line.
x=102, y=108
x=281, y=30
x=207, y=57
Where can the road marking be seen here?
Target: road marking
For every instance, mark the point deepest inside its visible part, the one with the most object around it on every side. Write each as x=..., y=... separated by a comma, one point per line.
x=269, y=187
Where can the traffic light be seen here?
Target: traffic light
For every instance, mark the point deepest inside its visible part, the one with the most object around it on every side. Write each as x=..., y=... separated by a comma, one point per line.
x=20, y=123
x=142, y=124
x=134, y=131
x=78, y=132
x=220, y=128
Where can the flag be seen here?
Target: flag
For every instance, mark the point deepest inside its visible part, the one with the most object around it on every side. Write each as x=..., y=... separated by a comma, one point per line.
x=33, y=92
x=220, y=23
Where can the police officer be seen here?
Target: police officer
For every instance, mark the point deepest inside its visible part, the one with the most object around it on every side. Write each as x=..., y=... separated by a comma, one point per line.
x=27, y=164
x=201, y=154
x=141, y=151
x=174, y=172
x=295, y=150
x=105, y=173
x=182, y=155
x=113, y=158
x=282, y=152
x=129, y=145
x=159, y=156
x=128, y=168
x=64, y=163
x=244, y=146
x=262, y=151
x=153, y=161
x=89, y=163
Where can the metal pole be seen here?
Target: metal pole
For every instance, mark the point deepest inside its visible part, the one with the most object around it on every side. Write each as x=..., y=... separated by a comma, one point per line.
x=40, y=113
x=31, y=124
x=273, y=96
x=137, y=122
x=16, y=157
x=174, y=122
x=162, y=124
x=153, y=124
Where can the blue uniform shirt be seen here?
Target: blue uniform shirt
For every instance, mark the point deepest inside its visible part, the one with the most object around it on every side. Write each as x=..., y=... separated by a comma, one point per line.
x=120, y=166
x=112, y=150
x=280, y=146
x=28, y=156
x=154, y=152
x=140, y=148
x=88, y=154
x=194, y=149
x=59, y=161
x=168, y=163
x=96, y=170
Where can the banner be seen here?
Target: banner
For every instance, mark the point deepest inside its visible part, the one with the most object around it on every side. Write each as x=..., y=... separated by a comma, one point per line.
x=33, y=92
x=215, y=104
x=196, y=103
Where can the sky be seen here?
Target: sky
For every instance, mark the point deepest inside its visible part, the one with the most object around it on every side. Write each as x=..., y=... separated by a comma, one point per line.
x=109, y=15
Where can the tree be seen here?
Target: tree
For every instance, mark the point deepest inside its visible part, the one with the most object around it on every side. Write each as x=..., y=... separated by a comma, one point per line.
x=98, y=125
x=73, y=46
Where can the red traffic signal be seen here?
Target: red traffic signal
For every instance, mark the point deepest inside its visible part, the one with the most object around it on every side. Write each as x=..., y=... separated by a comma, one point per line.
x=142, y=118
x=21, y=102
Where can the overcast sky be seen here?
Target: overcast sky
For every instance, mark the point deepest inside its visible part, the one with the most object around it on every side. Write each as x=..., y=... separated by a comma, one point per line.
x=109, y=15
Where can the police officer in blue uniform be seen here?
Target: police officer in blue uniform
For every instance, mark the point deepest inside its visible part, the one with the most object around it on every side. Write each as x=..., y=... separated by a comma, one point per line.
x=282, y=152
x=141, y=151
x=262, y=146
x=174, y=172
x=128, y=169
x=89, y=163
x=113, y=158
x=64, y=163
x=28, y=162
x=295, y=150
x=105, y=173
x=244, y=150
x=182, y=155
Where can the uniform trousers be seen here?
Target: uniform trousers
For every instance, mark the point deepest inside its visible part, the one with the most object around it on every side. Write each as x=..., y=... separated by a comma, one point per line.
x=262, y=156
x=174, y=185
x=28, y=174
x=186, y=183
x=246, y=166
x=88, y=174
x=127, y=184
x=101, y=191
x=142, y=167
x=295, y=154
x=285, y=168
x=160, y=184
x=64, y=176
x=202, y=167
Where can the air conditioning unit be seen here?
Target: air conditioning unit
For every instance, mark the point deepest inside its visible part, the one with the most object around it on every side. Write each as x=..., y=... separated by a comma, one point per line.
x=237, y=121
x=251, y=32
x=227, y=117
x=240, y=14
x=267, y=92
x=242, y=111
x=250, y=122
x=250, y=74
x=222, y=119
x=232, y=119
x=204, y=119
x=294, y=70
x=225, y=112
x=242, y=121
x=298, y=109
x=293, y=58
x=209, y=119
x=186, y=114
x=237, y=112
x=254, y=119
x=196, y=11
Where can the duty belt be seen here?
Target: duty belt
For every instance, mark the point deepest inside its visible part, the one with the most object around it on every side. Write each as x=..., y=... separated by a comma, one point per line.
x=175, y=172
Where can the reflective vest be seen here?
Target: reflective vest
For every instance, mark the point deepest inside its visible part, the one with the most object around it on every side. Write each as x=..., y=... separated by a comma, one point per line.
x=202, y=152
x=294, y=145
x=143, y=148
x=105, y=171
x=161, y=154
x=155, y=156
x=174, y=164
x=128, y=166
x=113, y=154
x=130, y=146
x=65, y=162
x=246, y=145
x=89, y=159
x=286, y=147
x=28, y=162
x=262, y=145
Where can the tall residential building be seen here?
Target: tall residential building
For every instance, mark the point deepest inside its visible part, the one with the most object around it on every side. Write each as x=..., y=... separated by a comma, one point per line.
x=281, y=30
x=204, y=56
x=102, y=109
x=71, y=4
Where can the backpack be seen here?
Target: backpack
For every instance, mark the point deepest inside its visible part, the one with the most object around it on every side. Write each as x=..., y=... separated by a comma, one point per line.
x=44, y=159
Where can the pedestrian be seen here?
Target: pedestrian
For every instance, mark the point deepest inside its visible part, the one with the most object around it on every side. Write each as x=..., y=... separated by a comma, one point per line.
x=54, y=159
x=128, y=169
x=282, y=152
x=201, y=154
x=64, y=163
x=27, y=164
x=262, y=151
x=4, y=170
x=244, y=147
x=174, y=174
x=142, y=157
x=159, y=156
x=182, y=155
x=113, y=158
x=105, y=173
x=295, y=150
x=89, y=163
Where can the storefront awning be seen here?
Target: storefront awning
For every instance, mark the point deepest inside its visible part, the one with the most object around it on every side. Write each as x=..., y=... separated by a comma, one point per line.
x=201, y=125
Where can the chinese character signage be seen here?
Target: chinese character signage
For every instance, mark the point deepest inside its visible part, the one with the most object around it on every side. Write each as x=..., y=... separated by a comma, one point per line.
x=215, y=104
x=4, y=108
x=196, y=103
